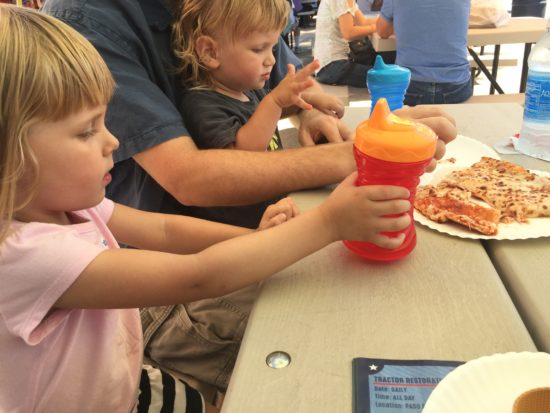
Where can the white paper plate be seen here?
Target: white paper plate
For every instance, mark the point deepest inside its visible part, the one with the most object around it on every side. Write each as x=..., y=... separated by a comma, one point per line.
x=489, y=384
x=468, y=151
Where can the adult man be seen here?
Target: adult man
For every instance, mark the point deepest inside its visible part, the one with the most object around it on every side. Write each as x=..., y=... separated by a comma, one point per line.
x=436, y=55
x=158, y=167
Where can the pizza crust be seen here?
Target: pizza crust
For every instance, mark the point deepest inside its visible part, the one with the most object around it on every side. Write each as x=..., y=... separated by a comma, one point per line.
x=441, y=205
x=511, y=192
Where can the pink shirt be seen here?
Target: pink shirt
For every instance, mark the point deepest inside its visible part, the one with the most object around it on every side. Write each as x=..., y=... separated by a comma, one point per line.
x=64, y=360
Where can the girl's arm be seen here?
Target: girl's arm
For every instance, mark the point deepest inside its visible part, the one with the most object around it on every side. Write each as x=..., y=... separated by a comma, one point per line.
x=352, y=31
x=257, y=132
x=169, y=233
x=121, y=278
x=362, y=20
x=181, y=234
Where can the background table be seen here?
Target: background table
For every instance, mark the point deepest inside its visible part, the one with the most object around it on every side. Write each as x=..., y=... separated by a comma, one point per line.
x=445, y=301
x=525, y=30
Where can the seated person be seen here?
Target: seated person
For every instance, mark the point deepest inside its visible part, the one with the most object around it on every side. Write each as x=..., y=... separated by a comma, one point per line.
x=340, y=22
x=436, y=55
x=224, y=104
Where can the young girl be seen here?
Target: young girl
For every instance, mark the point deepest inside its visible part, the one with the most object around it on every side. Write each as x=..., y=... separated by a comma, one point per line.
x=340, y=24
x=69, y=295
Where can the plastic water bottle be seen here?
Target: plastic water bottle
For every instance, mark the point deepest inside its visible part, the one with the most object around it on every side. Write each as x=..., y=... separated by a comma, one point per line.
x=391, y=151
x=534, y=139
x=388, y=81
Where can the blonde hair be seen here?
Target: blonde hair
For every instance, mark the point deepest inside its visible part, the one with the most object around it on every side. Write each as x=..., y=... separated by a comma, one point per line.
x=48, y=71
x=233, y=18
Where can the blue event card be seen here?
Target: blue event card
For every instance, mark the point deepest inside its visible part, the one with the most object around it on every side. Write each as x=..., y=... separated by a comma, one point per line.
x=395, y=386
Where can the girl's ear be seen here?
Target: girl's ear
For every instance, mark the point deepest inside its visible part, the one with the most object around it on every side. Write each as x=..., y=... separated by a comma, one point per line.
x=207, y=51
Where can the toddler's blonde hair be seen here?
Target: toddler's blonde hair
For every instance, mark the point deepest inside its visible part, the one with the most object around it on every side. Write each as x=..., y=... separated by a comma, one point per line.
x=233, y=18
x=48, y=71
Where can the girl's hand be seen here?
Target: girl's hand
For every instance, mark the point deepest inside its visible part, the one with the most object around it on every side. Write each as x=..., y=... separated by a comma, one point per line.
x=277, y=213
x=360, y=212
x=288, y=91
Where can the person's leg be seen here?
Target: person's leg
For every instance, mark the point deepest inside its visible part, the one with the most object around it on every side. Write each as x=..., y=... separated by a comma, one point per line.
x=344, y=72
x=198, y=342
x=455, y=92
x=159, y=392
x=420, y=93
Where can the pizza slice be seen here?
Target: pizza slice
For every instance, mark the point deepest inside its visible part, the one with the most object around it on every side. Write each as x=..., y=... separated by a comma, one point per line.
x=444, y=203
x=510, y=188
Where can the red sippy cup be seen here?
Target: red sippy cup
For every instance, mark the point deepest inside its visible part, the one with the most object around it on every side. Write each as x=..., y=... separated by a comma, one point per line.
x=391, y=151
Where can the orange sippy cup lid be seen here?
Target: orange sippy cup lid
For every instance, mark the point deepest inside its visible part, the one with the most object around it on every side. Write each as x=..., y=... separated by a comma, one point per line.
x=388, y=137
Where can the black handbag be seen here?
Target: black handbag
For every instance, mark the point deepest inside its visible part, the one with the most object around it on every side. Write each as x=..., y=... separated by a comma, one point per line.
x=361, y=51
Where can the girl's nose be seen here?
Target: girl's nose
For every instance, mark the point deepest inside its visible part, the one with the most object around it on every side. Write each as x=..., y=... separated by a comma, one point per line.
x=111, y=143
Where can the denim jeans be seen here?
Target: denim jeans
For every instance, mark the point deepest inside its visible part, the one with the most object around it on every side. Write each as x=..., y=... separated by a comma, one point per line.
x=347, y=72
x=427, y=93
x=344, y=72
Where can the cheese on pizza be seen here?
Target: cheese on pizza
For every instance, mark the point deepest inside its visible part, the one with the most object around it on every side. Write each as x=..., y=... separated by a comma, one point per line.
x=443, y=203
x=517, y=193
x=511, y=192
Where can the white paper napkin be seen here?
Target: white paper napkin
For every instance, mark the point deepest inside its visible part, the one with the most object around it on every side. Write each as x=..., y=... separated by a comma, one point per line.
x=505, y=146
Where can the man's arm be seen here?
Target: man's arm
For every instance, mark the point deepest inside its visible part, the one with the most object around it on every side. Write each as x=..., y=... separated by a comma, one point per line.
x=243, y=177
x=231, y=177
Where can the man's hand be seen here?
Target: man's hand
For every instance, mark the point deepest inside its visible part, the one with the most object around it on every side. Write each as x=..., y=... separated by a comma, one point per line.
x=440, y=121
x=315, y=124
x=328, y=104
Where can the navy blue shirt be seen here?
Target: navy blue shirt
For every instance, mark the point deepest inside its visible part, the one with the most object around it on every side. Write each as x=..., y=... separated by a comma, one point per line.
x=214, y=120
x=133, y=36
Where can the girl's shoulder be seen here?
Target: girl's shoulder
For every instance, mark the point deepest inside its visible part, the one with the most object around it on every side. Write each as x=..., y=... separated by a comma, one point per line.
x=42, y=238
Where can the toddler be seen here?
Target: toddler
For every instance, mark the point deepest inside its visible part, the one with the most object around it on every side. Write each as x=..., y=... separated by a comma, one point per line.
x=225, y=48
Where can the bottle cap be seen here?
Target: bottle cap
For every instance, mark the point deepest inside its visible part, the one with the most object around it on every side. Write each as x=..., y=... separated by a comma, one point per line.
x=388, y=74
x=388, y=137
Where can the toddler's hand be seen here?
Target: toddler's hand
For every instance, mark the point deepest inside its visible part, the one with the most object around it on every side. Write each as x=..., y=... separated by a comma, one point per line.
x=288, y=91
x=358, y=212
x=278, y=213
